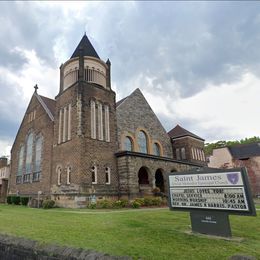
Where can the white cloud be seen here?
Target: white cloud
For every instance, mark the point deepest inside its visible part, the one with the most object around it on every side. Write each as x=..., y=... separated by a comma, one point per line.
x=35, y=71
x=233, y=108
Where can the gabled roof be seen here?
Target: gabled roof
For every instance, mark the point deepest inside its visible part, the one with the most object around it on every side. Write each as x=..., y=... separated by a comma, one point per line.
x=48, y=105
x=118, y=103
x=243, y=151
x=86, y=46
x=179, y=131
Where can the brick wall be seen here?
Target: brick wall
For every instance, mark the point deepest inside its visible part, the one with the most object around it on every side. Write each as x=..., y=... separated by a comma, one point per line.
x=43, y=125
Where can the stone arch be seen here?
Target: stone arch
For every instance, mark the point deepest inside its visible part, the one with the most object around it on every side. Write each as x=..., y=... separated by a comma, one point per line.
x=148, y=139
x=132, y=139
x=143, y=176
x=159, y=180
x=157, y=143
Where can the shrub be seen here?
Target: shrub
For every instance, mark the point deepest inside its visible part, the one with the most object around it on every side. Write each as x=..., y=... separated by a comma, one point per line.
x=15, y=200
x=148, y=201
x=24, y=201
x=120, y=204
x=92, y=205
x=135, y=204
x=8, y=200
x=140, y=201
x=124, y=203
x=103, y=204
x=157, y=201
x=48, y=204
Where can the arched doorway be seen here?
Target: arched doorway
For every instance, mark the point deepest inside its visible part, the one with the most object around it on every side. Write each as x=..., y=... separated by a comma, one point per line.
x=159, y=180
x=143, y=177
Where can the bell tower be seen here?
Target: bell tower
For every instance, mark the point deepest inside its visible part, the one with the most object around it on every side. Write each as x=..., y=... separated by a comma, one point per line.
x=85, y=127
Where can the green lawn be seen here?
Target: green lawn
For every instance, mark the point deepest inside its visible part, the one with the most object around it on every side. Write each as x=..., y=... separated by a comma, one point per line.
x=151, y=234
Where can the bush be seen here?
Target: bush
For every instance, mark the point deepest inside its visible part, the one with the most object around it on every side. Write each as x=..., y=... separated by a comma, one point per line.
x=135, y=204
x=92, y=205
x=140, y=201
x=24, y=201
x=8, y=200
x=148, y=201
x=15, y=200
x=48, y=204
x=157, y=201
x=104, y=204
x=120, y=204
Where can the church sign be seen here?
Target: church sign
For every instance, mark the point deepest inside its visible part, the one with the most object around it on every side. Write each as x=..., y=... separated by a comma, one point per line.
x=210, y=195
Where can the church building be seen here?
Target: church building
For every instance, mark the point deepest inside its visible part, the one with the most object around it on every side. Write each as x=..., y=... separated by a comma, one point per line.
x=83, y=143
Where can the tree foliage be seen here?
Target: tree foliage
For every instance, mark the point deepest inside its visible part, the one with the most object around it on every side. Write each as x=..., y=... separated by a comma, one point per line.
x=210, y=146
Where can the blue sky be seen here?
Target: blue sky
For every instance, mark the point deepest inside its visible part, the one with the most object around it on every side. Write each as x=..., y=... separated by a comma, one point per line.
x=197, y=63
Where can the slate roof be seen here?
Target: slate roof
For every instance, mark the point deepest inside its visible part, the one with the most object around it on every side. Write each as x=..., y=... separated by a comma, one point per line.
x=118, y=103
x=48, y=104
x=88, y=49
x=243, y=151
x=179, y=131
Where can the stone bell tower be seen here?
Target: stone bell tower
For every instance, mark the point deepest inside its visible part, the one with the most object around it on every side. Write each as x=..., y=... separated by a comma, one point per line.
x=85, y=129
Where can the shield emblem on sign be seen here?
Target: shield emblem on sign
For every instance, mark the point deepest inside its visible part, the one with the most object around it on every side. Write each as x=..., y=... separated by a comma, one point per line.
x=233, y=177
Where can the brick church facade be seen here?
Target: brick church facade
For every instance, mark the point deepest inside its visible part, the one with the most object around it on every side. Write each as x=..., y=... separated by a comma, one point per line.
x=83, y=143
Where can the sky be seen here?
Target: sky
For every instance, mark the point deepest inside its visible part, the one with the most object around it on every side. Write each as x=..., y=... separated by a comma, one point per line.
x=197, y=63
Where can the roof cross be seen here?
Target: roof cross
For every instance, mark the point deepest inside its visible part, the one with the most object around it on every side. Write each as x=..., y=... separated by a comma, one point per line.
x=36, y=87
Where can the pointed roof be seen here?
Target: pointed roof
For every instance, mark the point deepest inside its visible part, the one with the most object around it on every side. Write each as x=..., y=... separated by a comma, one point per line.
x=48, y=104
x=136, y=91
x=86, y=46
x=179, y=131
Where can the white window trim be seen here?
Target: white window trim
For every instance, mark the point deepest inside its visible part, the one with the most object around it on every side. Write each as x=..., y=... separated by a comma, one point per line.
x=107, y=128
x=95, y=174
x=69, y=122
x=100, y=122
x=183, y=153
x=68, y=174
x=59, y=175
x=60, y=126
x=178, y=154
x=64, y=123
x=192, y=152
x=108, y=173
x=93, y=119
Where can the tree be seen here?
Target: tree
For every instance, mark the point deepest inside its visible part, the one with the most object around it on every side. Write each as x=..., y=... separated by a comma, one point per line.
x=210, y=146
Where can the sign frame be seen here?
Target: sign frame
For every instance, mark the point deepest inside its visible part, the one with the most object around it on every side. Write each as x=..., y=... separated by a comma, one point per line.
x=204, y=171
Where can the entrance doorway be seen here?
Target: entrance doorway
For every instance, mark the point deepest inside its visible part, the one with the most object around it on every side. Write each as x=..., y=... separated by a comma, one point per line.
x=143, y=176
x=159, y=181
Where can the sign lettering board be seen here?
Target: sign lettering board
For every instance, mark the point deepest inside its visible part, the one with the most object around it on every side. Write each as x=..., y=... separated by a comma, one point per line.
x=211, y=189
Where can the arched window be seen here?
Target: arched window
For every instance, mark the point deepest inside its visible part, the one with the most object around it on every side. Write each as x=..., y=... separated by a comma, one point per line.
x=68, y=174
x=59, y=175
x=38, y=159
x=20, y=165
x=20, y=161
x=183, y=153
x=156, y=149
x=29, y=147
x=128, y=144
x=107, y=175
x=93, y=118
x=142, y=142
x=94, y=174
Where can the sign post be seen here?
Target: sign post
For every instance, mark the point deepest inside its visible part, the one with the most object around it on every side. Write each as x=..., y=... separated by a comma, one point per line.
x=210, y=196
